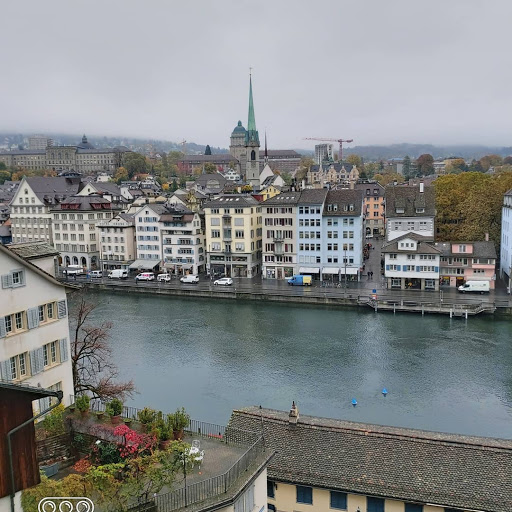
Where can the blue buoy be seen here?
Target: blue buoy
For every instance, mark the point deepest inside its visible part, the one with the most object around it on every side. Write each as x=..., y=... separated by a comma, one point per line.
x=354, y=402
x=384, y=391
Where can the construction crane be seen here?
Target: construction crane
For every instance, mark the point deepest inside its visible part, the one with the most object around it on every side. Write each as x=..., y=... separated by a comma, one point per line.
x=339, y=141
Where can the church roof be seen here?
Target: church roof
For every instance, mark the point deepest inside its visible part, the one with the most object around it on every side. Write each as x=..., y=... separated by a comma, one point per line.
x=85, y=144
x=239, y=129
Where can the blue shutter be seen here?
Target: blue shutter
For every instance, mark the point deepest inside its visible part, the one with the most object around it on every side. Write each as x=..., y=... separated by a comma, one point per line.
x=36, y=361
x=63, y=350
x=398, y=267
x=5, y=370
x=417, y=268
x=33, y=318
x=62, y=309
x=436, y=269
x=387, y=267
x=2, y=327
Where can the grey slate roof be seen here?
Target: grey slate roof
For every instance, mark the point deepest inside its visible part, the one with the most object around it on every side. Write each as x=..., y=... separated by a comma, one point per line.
x=53, y=190
x=84, y=202
x=344, y=198
x=313, y=196
x=286, y=198
x=232, y=201
x=406, y=464
x=424, y=245
x=33, y=250
x=364, y=187
x=281, y=153
x=480, y=249
x=410, y=198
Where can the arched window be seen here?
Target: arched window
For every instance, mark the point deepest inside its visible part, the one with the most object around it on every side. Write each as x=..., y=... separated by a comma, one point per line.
x=253, y=155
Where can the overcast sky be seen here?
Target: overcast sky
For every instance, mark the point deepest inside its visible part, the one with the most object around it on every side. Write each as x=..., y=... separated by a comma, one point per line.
x=379, y=72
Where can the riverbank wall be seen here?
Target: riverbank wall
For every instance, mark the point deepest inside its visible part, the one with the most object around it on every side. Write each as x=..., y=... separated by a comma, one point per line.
x=314, y=297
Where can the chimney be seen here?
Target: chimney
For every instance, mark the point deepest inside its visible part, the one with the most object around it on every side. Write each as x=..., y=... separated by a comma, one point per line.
x=422, y=187
x=293, y=417
x=486, y=237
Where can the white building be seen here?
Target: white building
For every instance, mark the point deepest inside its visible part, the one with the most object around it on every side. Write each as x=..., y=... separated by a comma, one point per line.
x=34, y=329
x=506, y=238
x=411, y=262
x=183, y=241
x=117, y=242
x=31, y=218
x=410, y=209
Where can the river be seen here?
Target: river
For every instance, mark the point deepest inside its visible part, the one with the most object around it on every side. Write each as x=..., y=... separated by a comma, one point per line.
x=442, y=374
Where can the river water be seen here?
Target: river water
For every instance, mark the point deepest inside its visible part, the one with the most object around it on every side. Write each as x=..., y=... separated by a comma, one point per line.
x=442, y=374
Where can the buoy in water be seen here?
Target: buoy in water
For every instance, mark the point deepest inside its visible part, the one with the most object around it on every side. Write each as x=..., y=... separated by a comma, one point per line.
x=384, y=391
x=354, y=402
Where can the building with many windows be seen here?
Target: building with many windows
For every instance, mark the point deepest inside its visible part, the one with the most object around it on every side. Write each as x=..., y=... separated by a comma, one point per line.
x=410, y=209
x=373, y=208
x=325, y=464
x=506, y=238
x=183, y=241
x=280, y=243
x=117, y=241
x=34, y=329
x=76, y=236
x=233, y=225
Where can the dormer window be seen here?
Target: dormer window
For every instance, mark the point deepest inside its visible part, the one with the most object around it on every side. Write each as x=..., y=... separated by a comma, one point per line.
x=335, y=207
x=420, y=210
x=462, y=248
x=329, y=207
x=400, y=210
x=351, y=207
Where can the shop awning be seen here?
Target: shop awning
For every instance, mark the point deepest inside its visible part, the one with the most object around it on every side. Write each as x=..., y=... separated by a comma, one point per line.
x=144, y=264
x=309, y=270
x=350, y=271
x=331, y=270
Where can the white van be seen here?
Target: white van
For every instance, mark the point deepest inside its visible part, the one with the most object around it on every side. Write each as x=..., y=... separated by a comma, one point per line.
x=166, y=278
x=190, y=278
x=475, y=286
x=118, y=273
x=145, y=276
x=96, y=273
x=74, y=270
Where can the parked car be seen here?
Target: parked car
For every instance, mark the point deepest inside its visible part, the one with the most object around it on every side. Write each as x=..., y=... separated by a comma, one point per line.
x=145, y=276
x=163, y=277
x=118, y=273
x=226, y=281
x=73, y=270
x=96, y=273
x=190, y=278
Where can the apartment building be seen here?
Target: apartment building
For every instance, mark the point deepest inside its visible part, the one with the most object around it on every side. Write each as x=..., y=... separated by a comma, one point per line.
x=342, y=235
x=31, y=216
x=410, y=209
x=411, y=262
x=309, y=224
x=117, y=241
x=34, y=329
x=76, y=236
x=506, y=238
x=373, y=208
x=233, y=226
x=280, y=242
x=325, y=464
x=467, y=261
x=183, y=241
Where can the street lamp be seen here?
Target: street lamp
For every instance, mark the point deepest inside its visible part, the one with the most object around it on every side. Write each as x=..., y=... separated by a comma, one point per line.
x=345, y=262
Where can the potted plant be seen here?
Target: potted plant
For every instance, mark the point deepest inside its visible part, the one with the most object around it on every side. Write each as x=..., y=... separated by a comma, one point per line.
x=100, y=415
x=83, y=403
x=114, y=410
x=147, y=417
x=50, y=467
x=128, y=421
x=163, y=429
x=179, y=420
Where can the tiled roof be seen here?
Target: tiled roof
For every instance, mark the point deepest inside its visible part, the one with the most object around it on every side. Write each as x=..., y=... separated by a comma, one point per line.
x=381, y=191
x=84, y=202
x=424, y=245
x=313, y=196
x=282, y=153
x=53, y=190
x=232, y=201
x=222, y=158
x=344, y=198
x=480, y=249
x=283, y=199
x=412, y=465
x=33, y=250
x=410, y=198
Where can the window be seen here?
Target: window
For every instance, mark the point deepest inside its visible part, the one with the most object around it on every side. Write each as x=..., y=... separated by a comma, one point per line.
x=393, y=256
x=413, y=507
x=18, y=318
x=40, y=313
x=50, y=310
x=374, y=504
x=304, y=495
x=271, y=493
x=13, y=279
x=214, y=221
x=339, y=500
x=271, y=508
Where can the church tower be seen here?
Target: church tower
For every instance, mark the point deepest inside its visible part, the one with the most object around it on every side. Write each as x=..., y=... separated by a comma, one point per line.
x=252, y=146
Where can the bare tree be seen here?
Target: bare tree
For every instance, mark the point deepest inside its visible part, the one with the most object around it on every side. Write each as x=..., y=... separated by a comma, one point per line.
x=94, y=372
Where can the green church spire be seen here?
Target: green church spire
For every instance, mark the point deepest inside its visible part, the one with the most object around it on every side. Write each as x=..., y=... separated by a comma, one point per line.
x=252, y=136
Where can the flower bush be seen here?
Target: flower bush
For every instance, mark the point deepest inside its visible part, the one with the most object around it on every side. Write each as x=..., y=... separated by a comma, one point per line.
x=134, y=444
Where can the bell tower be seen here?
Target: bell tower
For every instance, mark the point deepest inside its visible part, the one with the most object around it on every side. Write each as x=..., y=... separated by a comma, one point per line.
x=252, y=145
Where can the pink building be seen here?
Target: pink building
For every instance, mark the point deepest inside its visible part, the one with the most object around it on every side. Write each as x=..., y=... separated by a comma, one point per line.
x=467, y=261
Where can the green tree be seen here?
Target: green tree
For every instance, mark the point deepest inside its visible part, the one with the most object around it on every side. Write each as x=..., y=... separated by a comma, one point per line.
x=407, y=167
x=304, y=167
x=475, y=166
x=489, y=161
x=287, y=177
x=210, y=168
x=456, y=165
x=388, y=177
x=121, y=175
x=208, y=150
x=135, y=163
x=425, y=164
x=4, y=176
x=174, y=185
x=3, y=167
x=354, y=160
x=507, y=160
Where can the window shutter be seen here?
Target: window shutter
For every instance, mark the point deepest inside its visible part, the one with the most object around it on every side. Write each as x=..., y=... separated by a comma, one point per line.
x=417, y=268
x=63, y=350
x=2, y=327
x=7, y=281
x=33, y=362
x=44, y=403
x=5, y=370
x=62, y=309
x=33, y=318
x=36, y=361
x=436, y=269
x=387, y=267
x=398, y=267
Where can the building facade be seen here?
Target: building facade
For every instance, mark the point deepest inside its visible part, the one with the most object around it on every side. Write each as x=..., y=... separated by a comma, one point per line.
x=34, y=329
x=506, y=238
x=411, y=262
x=323, y=152
x=280, y=242
x=410, y=209
x=233, y=225
x=373, y=208
x=183, y=241
x=148, y=239
x=117, y=242
x=39, y=142
x=467, y=261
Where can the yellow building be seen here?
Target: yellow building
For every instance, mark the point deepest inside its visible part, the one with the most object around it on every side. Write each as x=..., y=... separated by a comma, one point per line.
x=325, y=465
x=233, y=235
x=269, y=192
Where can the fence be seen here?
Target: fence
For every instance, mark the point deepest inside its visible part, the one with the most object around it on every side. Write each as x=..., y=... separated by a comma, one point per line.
x=215, y=486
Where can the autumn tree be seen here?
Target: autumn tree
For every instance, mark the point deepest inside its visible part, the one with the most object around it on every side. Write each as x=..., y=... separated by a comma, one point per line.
x=210, y=168
x=304, y=167
x=93, y=371
x=489, y=161
x=120, y=175
x=507, y=160
x=425, y=164
x=388, y=177
x=4, y=176
x=456, y=165
x=135, y=163
x=355, y=160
